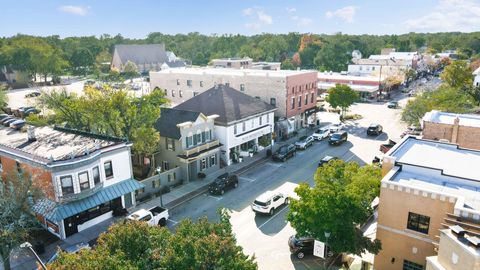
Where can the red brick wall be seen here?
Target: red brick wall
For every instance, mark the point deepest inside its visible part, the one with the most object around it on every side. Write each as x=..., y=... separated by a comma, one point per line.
x=301, y=84
x=468, y=137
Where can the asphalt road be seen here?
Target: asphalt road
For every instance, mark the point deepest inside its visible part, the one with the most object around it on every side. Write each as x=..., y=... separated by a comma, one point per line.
x=264, y=236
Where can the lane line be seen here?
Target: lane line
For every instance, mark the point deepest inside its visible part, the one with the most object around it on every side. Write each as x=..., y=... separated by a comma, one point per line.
x=276, y=214
x=247, y=179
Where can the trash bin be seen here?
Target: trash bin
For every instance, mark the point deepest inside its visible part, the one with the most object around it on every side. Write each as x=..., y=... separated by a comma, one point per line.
x=269, y=152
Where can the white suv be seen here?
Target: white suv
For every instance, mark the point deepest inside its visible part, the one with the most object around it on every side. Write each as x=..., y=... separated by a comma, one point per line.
x=321, y=134
x=268, y=202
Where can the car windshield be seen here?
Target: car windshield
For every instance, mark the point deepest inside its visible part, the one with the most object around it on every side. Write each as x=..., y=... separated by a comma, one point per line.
x=261, y=203
x=336, y=136
x=282, y=150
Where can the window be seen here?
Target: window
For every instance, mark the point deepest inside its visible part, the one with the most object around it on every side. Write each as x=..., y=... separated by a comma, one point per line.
x=235, y=129
x=293, y=103
x=299, y=101
x=306, y=86
x=268, y=118
x=189, y=83
x=96, y=175
x=180, y=94
x=208, y=135
x=169, y=178
x=203, y=164
x=243, y=126
x=199, y=138
x=242, y=87
x=146, y=218
x=306, y=99
x=273, y=102
x=417, y=222
x=293, y=90
x=19, y=167
x=170, y=144
x=173, y=93
x=189, y=141
x=195, y=93
x=83, y=180
x=174, y=176
x=178, y=82
x=212, y=160
x=67, y=184
x=201, y=83
x=194, y=139
x=166, y=166
x=260, y=120
x=204, y=137
x=373, y=68
x=360, y=68
x=166, y=92
x=408, y=265
x=312, y=98
x=155, y=183
x=107, y=166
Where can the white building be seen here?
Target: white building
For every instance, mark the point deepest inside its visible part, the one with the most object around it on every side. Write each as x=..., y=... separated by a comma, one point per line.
x=244, y=63
x=244, y=123
x=476, y=78
x=84, y=177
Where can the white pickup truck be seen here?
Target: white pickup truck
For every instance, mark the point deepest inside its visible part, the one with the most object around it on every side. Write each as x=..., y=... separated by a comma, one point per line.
x=153, y=216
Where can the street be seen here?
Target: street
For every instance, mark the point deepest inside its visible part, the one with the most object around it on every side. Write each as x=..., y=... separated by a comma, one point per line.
x=266, y=236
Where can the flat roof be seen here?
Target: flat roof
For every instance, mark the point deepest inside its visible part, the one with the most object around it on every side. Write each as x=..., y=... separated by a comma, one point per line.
x=54, y=144
x=339, y=76
x=356, y=87
x=469, y=120
x=233, y=72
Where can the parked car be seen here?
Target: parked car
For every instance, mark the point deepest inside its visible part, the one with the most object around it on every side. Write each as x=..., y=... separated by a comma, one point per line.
x=4, y=119
x=321, y=134
x=285, y=152
x=223, y=183
x=154, y=216
x=70, y=249
x=268, y=202
x=9, y=121
x=374, y=129
x=304, y=142
x=392, y=104
x=336, y=127
x=29, y=111
x=18, y=124
x=301, y=246
x=325, y=160
x=338, y=138
x=33, y=94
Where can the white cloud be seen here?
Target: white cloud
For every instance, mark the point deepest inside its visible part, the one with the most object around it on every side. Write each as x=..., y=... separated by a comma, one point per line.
x=448, y=15
x=290, y=9
x=346, y=14
x=258, y=16
x=302, y=21
x=77, y=10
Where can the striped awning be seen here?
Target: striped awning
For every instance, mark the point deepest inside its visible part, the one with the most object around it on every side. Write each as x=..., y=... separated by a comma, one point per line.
x=58, y=211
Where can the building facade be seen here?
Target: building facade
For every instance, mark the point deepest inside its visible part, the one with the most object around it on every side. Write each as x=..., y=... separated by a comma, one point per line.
x=427, y=186
x=476, y=77
x=367, y=86
x=461, y=129
x=244, y=63
x=84, y=177
x=291, y=92
x=243, y=125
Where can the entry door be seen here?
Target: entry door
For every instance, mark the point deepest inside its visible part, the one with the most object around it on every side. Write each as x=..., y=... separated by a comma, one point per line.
x=192, y=171
x=127, y=198
x=70, y=226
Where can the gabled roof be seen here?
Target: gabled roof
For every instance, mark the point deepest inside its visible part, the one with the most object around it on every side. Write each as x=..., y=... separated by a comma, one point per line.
x=170, y=118
x=139, y=54
x=229, y=104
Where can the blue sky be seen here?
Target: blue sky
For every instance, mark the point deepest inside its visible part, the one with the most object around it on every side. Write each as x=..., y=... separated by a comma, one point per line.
x=137, y=18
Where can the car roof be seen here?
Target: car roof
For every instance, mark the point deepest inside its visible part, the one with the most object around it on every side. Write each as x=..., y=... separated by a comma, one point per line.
x=327, y=158
x=266, y=196
x=339, y=133
x=374, y=125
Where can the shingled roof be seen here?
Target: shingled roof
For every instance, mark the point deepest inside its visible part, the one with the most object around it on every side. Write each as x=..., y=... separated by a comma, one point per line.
x=139, y=54
x=229, y=104
x=170, y=118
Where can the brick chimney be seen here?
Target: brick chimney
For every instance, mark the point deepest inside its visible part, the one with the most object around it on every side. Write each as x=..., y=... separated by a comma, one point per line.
x=456, y=124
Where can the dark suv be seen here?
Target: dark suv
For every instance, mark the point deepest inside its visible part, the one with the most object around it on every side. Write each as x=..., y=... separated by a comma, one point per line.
x=301, y=246
x=374, y=129
x=338, y=138
x=222, y=183
x=285, y=152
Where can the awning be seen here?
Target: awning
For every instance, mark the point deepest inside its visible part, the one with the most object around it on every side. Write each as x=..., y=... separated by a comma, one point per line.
x=57, y=212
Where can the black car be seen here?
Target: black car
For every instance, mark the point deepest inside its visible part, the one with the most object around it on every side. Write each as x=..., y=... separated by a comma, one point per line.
x=33, y=94
x=285, y=152
x=392, y=105
x=6, y=118
x=325, y=160
x=222, y=183
x=301, y=246
x=374, y=129
x=338, y=138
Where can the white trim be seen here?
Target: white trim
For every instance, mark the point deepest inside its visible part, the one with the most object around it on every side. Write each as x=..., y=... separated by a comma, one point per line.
x=407, y=233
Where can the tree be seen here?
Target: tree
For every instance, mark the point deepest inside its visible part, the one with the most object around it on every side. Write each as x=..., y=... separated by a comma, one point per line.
x=458, y=74
x=135, y=245
x=130, y=70
x=339, y=203
x=3, y=97
x=342, y=96
x=82, y=59
x=287, y=64
x=16, y=217
x=410, y=75
x=102, y=61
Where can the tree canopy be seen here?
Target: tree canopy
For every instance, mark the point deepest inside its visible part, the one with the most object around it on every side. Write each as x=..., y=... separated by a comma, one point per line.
x=342, y=96
x=135, y=245
x=339, y=202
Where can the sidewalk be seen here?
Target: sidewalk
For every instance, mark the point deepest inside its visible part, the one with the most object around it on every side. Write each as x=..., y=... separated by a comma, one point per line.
x=23, y=260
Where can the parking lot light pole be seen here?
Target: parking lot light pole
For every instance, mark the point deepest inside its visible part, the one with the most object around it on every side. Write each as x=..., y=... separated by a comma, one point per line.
x=29, y=246
x=327, y=235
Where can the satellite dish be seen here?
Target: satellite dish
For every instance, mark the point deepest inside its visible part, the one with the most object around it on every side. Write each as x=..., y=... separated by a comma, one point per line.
x=356, y=54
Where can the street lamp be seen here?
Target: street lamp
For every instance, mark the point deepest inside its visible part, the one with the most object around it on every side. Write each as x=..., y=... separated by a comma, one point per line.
x=29, y=246
x=159, y=169
x=327, y=235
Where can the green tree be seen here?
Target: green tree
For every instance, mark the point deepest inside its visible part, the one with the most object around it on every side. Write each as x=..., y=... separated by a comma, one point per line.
x=102, y=61
x=16, y=217
x=338, y=203
x=287, y=64
x=342, y=96
x=458, y=74
x=130, y=70
x=82, y=60
x=135, y=245
x=3, y=97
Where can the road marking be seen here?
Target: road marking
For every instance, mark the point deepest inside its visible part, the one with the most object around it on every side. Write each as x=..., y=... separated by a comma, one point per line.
x=247, y=179
x=348, y=159
x=278, y=165
x=276, y=214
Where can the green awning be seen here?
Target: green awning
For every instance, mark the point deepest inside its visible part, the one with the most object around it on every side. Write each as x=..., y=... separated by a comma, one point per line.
x=59, y=211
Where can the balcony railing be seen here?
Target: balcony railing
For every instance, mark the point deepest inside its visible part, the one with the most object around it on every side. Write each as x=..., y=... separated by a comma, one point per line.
x=82, y=195
x=200, y=148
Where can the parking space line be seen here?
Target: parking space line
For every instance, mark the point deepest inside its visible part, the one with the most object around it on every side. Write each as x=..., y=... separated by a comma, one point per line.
x=247, y=179
x=173, y=221
x=276, y=214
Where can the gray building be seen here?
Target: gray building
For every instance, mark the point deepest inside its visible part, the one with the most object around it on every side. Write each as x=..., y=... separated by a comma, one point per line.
x=188, y=142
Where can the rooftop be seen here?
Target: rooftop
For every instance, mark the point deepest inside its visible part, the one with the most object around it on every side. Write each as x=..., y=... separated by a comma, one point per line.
x=339, y=76
x=170, y=118
x=233, y=59
x=234, y=72
x=54, y=144
x=470, y=120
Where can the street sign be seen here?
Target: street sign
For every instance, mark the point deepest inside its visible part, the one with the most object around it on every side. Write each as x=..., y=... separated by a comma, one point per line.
x=319, y=249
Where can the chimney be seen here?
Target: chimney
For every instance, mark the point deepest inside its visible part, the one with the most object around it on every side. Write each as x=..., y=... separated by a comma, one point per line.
x=31, y=134
x=456, y=124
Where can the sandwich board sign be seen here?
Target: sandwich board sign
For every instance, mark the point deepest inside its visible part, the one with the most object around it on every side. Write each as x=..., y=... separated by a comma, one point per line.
x=319, y=249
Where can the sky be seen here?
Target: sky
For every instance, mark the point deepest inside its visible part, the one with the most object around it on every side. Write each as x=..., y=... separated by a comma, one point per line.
x=138, y=18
